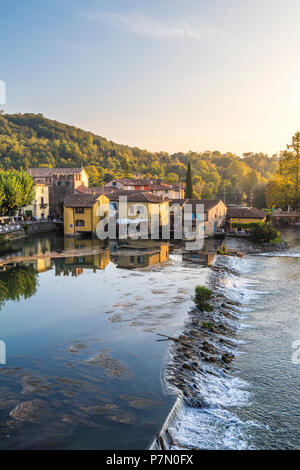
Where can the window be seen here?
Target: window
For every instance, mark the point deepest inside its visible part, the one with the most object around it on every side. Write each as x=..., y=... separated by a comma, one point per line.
x=79, y=210
x=114, y=183
x=140, y=259
x=131, y=259
x=79, y=223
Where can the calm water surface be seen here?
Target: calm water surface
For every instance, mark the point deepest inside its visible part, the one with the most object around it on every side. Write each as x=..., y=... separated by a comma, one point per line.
x=81, y=337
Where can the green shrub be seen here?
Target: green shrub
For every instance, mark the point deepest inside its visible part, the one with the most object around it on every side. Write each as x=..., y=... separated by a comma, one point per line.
x=264, y=233
x=222, y=250
x=207, y=324
x=201, y=298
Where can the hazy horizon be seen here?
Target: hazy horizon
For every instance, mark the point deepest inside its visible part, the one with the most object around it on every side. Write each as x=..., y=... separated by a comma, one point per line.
x=164, y=76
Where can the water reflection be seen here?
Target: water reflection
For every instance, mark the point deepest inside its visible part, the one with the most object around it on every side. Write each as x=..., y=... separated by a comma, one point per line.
x=17, y=282
x=140, y=254
x=83, y=364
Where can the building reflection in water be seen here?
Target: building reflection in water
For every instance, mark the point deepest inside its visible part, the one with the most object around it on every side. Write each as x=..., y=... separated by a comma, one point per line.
x=139, y=253
x=74, y=265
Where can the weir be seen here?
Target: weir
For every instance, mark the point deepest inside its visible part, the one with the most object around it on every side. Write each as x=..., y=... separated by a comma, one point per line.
x=163, y=440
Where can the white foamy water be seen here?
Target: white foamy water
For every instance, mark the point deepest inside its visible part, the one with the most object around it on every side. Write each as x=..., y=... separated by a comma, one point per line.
x=215, y=425
x=254, y=405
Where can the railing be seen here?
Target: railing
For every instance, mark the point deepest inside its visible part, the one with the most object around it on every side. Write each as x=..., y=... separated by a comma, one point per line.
x=9, y=228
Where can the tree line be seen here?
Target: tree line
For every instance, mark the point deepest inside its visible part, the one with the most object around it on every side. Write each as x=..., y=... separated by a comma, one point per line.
x=31, y=140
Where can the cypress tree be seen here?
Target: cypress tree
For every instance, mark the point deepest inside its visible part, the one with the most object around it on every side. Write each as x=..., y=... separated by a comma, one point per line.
x=188, y=183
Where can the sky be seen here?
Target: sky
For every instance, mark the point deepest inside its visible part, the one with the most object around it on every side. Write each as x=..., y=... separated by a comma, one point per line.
x=164, y=75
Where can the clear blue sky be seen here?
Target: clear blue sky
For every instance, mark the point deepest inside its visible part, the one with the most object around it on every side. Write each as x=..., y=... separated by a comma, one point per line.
x=173, y=75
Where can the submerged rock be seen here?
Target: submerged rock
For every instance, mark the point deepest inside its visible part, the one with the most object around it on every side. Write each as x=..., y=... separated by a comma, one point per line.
x=113, y=368
x=227, y=358
x=139, y=402
x=35, y=385
x=32, y=411
x=77, y=346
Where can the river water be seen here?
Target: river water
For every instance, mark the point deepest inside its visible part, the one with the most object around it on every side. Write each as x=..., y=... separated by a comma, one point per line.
x=85, y=370
x=254, y=404
x=83, y=361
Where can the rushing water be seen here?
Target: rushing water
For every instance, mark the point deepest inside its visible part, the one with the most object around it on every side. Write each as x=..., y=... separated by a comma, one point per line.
x=82, y=349
x=256, y=404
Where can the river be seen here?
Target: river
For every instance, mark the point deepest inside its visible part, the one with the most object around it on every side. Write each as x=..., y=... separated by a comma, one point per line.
x=83, y=360
x=85, y=368
x=254, y=404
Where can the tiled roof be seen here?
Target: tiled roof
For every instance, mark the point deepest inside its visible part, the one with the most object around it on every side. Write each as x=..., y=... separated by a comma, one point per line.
x=208, y=203
x=159, y=187
x=42, y=172
x=93, y=190
x=136, y=196
x=245, y=213
x=132, y=181
x=181, y=202
x=80, y=200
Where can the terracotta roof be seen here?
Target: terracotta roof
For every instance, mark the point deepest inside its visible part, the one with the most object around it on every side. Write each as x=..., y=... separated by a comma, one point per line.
x=245, y=213
x=80, y=200
x=93, y=190
x=132, y=181
x=181, y=202
x=161, y=186
x=42, y=172
x=208, y=203
x=136, y=196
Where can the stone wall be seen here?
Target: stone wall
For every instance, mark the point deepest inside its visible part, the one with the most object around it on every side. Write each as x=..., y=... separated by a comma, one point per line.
x=41, y=227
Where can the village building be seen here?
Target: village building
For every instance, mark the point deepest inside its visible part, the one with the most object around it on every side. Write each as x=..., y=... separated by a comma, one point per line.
x=142, y=206
x=128, y=184
x=81, y=213
x=155, y=186
x=171, y=191
x=214, y=213
x=39, y=208
x=239, y=217
x=61, y=182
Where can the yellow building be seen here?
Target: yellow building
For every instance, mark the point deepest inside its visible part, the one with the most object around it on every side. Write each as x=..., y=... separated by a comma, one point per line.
x=39, y=208
x=243, y=216
x=81, y=213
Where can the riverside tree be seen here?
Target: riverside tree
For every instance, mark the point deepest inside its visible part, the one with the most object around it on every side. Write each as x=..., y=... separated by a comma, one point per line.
x=16, y=190
x=283, y=189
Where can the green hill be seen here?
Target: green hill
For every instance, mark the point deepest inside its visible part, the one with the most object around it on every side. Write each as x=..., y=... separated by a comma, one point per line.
x=31, y=140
